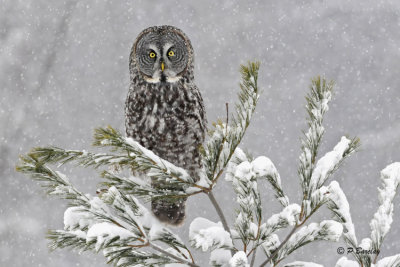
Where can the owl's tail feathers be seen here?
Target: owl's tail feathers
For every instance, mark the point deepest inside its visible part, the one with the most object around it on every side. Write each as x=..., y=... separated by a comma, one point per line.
x=169, y=212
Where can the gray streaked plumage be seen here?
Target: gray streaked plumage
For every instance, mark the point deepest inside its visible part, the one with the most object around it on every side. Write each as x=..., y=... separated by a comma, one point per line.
x=164, y=109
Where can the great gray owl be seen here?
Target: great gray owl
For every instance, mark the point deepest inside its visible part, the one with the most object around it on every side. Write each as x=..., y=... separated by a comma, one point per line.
x=164, y=109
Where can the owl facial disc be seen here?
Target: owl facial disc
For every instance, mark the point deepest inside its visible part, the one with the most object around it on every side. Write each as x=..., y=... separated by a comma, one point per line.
x=162, y=56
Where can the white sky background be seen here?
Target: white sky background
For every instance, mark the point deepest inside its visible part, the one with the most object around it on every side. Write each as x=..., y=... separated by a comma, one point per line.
x=64, y=71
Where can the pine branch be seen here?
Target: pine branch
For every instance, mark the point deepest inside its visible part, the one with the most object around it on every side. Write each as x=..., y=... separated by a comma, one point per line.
x=158, y=168
x=72, y=239
x=265, y=169
x=120, y=212
x=326, y=230
x=145, y=160
x=249, y=210
x=54, y=182
x=142, y=188
x=244, y=176
x=287, y=217
x=270, y=245
x=56, y=155
x=124, y=230
x=154, y=231
x=111, y=223
x=293, y=231
x=170, y=255
x=129, y=185
x=224, y=139
x=317, y=105
x=314, y=174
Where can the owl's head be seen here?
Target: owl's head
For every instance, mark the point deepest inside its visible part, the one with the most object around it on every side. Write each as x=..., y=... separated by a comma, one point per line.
x=161, y=54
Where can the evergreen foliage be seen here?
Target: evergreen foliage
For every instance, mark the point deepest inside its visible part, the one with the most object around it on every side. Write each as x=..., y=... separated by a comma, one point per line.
x=116, y=223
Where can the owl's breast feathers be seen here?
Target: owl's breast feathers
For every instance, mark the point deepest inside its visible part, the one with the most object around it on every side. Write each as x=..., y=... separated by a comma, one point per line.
x=169, y=119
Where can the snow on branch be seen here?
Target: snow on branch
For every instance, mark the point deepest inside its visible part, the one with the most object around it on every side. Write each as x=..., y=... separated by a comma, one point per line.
x=247, y=196
x=144, y=160
x=208, y=235
x=330, y=162
x=344, y=262
x=339, y=205
x=270, y=244
x=265, y=169
x=164, y=169
x=115, y=223
x=337, y=202
x=105, y=233
x=244, y=174
x=383, y=218
x=237, y=158
x=220, y=257
x=113, y=213
x=239, y=260
x=287, y=217
x=315, y=201
x=127, y=209
x=130, y=155
x=139, y=220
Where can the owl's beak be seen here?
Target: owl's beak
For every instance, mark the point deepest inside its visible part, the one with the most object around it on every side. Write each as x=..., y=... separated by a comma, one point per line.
x=162, y=66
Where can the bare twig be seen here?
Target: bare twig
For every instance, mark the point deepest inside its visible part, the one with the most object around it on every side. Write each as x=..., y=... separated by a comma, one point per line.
x=140, y=246
x=190, y=254
x=219, y=211
x=253, y=259
x=227, y=116
x=220, y=214
x=376, y=257
x=180, y=252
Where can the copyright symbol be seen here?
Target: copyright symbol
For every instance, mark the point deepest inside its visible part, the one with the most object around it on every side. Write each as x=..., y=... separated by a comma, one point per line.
x=340, y=250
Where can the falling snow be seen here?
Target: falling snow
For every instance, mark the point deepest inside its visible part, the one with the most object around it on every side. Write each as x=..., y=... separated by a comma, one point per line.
x=64, y=71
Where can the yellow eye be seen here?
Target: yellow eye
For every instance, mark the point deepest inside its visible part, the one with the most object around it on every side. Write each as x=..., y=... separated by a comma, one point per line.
x=152, y=55
x=171, y=53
